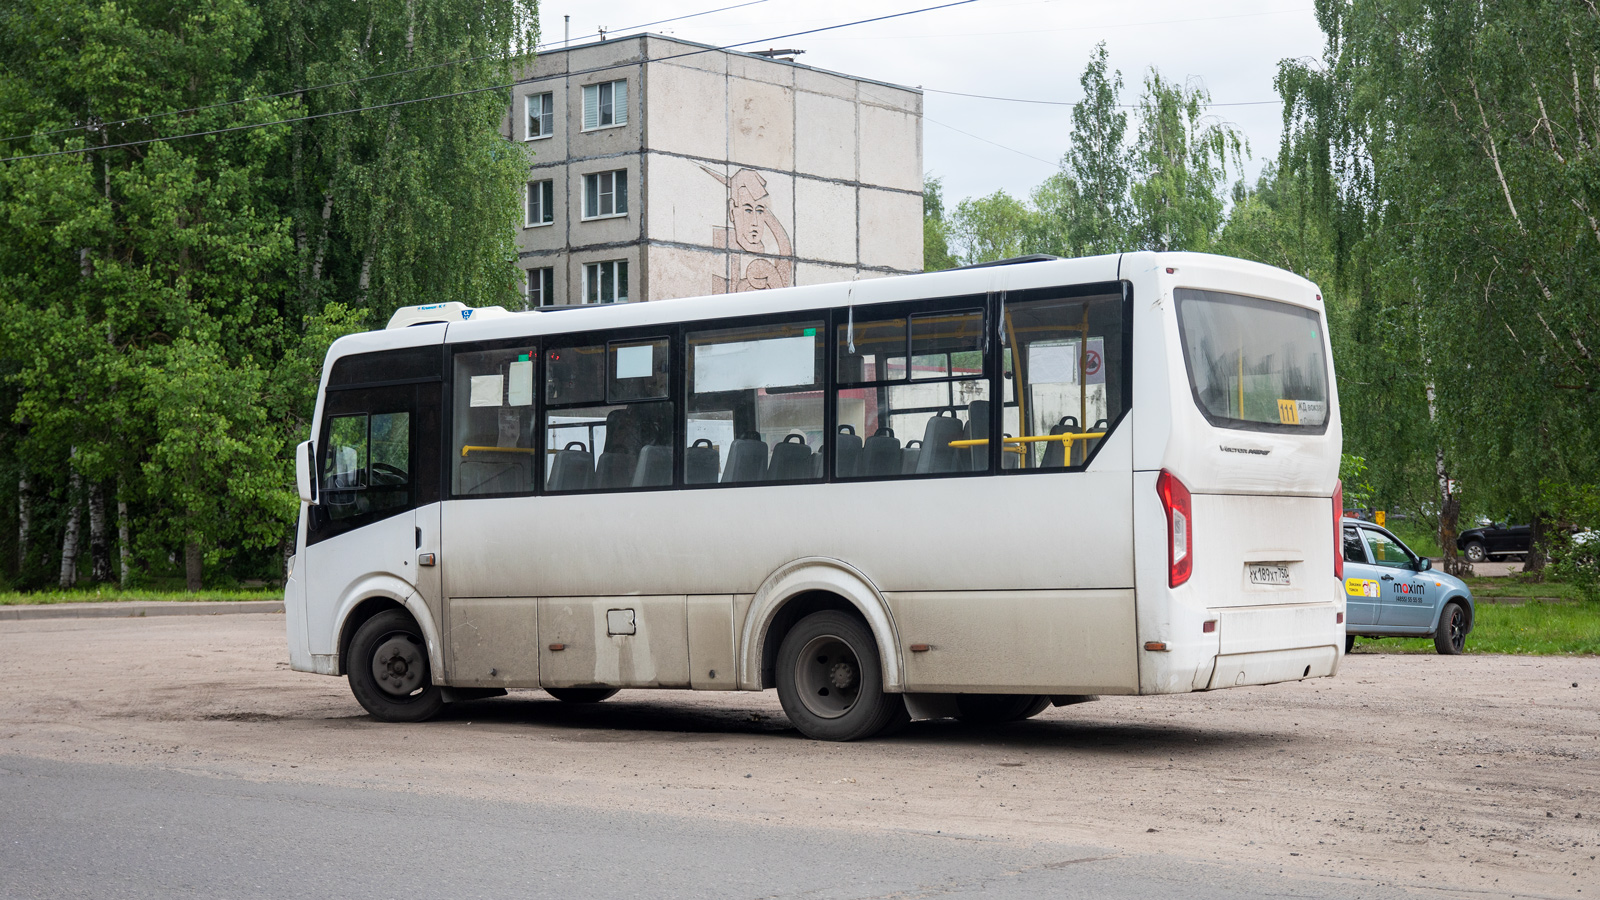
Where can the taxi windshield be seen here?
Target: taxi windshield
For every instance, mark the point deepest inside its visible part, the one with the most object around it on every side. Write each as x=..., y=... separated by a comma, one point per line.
x=1254, y=364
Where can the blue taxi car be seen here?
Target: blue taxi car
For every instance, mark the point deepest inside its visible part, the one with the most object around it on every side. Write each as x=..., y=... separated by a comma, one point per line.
x=1392, y=592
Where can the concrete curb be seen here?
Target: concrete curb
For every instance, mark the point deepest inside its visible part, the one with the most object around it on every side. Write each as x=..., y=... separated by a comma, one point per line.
x=139, y=609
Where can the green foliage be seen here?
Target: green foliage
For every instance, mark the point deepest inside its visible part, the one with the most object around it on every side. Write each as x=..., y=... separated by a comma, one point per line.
x=1353, y=474
x=936, y=254
x=165, y=308
x=1451, y=149
x=1164, y=189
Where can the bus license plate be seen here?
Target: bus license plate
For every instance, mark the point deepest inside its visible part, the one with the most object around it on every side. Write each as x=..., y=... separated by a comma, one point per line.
x=1269, y=575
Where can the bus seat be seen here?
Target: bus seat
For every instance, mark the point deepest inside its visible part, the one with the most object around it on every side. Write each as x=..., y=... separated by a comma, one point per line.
x=913, y=452
x=791, y=460
x=816, y=465
x=937, y=455
x=573, y=469
x=655, y=466
x=747, y=460
x=977, y=427
x=615, y=468
x=700, y=463
x=622, y=432
x=880, y=454
x=847, y=451
x=1055, y=451
x=1099, y=427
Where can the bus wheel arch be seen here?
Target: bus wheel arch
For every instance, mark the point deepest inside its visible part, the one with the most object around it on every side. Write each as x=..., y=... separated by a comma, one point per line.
x=369, y=599
x=799, y=589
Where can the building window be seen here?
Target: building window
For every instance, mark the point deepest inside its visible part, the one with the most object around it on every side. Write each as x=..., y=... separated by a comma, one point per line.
x=606, y=282
x=541, y=287
x=605, y=194
x=539, y=204
x=605, y=105
x=541, y=116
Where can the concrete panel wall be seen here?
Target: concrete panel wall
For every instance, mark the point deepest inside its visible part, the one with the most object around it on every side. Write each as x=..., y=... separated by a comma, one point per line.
x=744, y=173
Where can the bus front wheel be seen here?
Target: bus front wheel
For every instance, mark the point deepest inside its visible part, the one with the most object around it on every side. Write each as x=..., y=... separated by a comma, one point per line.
x=389, y=669
x=830, y=680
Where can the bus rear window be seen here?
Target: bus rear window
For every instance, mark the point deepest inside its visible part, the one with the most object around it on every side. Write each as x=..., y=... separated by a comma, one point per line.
x=1254, y=364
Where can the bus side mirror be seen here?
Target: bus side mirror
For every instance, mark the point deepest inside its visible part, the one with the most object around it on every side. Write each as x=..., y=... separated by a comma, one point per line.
x=305, y=471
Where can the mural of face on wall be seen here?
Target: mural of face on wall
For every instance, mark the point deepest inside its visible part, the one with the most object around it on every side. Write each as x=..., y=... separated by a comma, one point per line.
x=753, y=228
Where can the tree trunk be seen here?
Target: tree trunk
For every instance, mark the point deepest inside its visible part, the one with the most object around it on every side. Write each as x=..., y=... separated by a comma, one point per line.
x=69, y=543
x=1449, y=520
x=193, y=566
x=1538, y=546
x=24, y=521
x=124, y=552
x=99, y=542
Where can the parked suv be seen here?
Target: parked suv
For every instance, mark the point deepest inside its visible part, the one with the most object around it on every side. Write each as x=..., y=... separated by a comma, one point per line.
x=1392, y=592
x=1495, y=541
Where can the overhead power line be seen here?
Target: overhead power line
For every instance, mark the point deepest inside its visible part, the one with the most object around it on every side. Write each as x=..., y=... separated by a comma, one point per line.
x=472, y=91
x=930, y=90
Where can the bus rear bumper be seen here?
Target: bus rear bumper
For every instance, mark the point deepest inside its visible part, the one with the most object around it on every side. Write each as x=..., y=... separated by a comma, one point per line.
x=1272, y=666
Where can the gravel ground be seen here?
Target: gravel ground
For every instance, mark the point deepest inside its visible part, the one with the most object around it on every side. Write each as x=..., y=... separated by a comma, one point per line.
x=1473, y=775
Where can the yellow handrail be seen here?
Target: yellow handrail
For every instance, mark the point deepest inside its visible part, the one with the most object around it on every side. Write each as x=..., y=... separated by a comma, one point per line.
x=468, y=448
x=1066, y=438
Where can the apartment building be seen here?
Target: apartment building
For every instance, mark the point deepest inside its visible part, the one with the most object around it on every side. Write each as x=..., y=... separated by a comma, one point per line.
x=663, y=168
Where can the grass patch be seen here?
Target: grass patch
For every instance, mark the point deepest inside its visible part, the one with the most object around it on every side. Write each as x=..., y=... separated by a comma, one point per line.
x=118, y=595
x=1488, y=590
x=1534, y=628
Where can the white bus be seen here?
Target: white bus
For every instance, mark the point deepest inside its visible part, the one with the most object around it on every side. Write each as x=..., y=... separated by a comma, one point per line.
x=968, y=493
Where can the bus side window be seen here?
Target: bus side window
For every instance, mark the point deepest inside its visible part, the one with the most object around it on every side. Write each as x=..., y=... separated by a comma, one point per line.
x=1063, y=373
x=754, y=410
x=607, y=418
x=493, y=428
x=918, y=380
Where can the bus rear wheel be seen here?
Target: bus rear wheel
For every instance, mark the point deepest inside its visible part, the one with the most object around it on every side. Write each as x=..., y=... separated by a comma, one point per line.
x=581, y=695
x=997, y=709
x=389, y=669
x=830, y=680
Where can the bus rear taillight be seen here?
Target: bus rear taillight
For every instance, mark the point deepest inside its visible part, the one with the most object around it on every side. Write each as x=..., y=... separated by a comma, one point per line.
x=1338, y=530
x=1180, y=546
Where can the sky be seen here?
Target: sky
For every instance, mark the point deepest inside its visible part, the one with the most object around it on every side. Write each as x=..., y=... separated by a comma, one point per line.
x=1028, y=49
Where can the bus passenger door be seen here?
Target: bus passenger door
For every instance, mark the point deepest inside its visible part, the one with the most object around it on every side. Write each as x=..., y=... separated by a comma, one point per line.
x=372, y=471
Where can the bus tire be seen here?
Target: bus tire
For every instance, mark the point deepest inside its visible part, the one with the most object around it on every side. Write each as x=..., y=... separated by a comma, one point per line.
x=1450, y=639
x=830, y=680
x=997, y=709
x=389, y=671
x=582, y=695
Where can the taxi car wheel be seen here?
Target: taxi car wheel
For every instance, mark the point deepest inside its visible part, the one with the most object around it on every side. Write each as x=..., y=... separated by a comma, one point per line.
x=1451, y=638
x=1349, y=643
x=1475, y=552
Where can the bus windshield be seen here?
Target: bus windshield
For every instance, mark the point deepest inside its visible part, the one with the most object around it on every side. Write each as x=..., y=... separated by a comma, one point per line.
x=1254, y=364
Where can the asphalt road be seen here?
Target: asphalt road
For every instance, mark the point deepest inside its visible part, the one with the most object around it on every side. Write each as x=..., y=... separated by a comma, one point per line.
x=109, y=831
